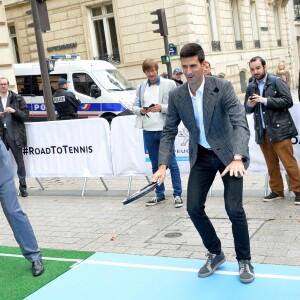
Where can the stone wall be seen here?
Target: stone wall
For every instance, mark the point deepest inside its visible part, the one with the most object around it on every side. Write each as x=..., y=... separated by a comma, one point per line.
x=188, y=21
x=6, y=61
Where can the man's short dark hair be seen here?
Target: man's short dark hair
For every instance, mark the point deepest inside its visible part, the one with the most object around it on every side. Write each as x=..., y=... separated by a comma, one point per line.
x=255, y=58
x=192, y=49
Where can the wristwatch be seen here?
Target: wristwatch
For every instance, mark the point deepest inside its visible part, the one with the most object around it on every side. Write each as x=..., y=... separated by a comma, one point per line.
x=238, y=157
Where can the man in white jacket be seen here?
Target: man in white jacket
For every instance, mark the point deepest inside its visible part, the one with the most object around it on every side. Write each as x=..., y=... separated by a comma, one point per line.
x=151, y=103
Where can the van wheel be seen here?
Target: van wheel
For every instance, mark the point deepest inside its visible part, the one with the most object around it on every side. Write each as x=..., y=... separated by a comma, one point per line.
x=108, y=117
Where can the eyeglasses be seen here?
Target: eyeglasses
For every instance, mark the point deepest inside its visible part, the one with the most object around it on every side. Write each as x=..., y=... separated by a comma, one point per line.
x=3, y=83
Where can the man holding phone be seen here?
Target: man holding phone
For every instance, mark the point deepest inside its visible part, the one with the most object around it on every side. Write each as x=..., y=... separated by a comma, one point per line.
x=269, y=99
x=151, y=103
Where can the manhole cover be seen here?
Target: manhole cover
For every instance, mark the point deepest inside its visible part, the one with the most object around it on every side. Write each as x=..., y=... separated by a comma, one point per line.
x=173, y=234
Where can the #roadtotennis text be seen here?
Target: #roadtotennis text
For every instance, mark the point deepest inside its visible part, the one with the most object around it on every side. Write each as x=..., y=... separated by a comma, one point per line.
x=64, y=149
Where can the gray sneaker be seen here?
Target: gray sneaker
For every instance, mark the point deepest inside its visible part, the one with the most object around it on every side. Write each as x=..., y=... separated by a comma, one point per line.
x=246, y=271
x=213, y=262
x=178, y=201
x=155, y=200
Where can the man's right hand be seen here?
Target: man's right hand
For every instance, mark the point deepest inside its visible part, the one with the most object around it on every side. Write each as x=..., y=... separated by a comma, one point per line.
x=252, y=100
x=160, y=174
x=144, y=111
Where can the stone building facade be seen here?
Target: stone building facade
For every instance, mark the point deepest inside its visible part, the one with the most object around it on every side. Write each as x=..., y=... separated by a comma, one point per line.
x=6, y=61
x=230, y=31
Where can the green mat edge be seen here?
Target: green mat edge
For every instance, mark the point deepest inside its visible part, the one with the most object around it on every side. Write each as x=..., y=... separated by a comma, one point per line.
x=59, y=253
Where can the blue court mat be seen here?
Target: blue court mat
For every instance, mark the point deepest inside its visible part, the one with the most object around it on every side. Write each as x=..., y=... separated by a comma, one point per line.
x=117, y=276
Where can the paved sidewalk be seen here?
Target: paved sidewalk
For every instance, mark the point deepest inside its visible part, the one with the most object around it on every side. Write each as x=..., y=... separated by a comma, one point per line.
x=63, y=219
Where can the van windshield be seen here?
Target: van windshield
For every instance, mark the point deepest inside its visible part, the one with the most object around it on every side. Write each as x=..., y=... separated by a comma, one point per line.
x=112, y=80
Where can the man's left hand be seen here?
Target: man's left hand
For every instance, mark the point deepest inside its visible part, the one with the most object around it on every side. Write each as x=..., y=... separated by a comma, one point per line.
x=235, y=168
x=155, y=108
x=10, y=110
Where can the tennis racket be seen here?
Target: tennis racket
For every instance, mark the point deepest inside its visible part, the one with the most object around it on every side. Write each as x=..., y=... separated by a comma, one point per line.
x=142, y=192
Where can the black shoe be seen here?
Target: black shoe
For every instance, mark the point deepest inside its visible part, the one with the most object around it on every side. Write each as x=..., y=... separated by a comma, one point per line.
x=37, y=267
x=246, y=271
x=213, y=262
x=297, y=198
x=155, y=200
x=23, y=192
x=272, y=196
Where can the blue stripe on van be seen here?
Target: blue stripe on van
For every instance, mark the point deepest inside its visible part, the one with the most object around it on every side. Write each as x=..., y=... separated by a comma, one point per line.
x=112, y=107
x=98, y=107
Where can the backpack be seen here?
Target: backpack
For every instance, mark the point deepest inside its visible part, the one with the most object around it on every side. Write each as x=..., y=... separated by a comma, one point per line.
x=251, y=83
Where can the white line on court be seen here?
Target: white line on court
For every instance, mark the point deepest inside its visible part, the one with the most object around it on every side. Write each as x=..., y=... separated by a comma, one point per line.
x=140, y=266
x=46, y=258
x=78, y=262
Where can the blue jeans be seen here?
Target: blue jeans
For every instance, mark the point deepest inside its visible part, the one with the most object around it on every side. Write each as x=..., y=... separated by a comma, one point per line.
x=200, y=180
x=152, y=140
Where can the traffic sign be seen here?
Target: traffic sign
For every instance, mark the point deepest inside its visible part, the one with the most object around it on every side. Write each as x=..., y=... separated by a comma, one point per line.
x=173, y=49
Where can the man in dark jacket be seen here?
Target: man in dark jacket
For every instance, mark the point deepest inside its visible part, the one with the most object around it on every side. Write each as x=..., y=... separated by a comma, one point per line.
x=274, y=127
x=13, y=114
x=176, y=76
x=65, y=101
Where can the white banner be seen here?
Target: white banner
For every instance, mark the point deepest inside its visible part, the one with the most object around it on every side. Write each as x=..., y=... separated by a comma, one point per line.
x=71, y=148
x=89, y=148
x=129, y=157
x=127, y=148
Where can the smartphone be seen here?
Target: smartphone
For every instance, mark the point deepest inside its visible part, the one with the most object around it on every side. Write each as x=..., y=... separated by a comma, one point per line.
x=151, y=105
x=252, y=97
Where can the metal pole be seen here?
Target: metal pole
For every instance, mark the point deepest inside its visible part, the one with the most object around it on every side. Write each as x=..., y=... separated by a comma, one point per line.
x=169, y=66
x=43, y=64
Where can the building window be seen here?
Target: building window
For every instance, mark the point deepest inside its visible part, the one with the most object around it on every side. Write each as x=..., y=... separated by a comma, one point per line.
x=14, y=43
x=297, y=9
x=236, y=25
x=243, y=81
x=105, y=33
x=211, y=11
x=254, y=25
x=277, y=25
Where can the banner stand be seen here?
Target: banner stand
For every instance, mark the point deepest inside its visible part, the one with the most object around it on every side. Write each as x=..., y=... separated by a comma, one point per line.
x=39, y=182
x=267, y=183
x=84, y=185
x=130, y=181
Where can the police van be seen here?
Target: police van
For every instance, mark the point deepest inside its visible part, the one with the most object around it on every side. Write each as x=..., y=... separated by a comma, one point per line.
x=101, y=88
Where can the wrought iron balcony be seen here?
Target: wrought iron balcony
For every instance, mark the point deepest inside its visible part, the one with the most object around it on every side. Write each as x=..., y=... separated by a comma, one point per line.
x=216, y=46
x=112, y=58
x=239, y=45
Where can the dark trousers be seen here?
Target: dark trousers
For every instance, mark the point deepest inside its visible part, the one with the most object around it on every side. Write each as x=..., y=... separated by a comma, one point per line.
x=18, y=155
x=200, y=180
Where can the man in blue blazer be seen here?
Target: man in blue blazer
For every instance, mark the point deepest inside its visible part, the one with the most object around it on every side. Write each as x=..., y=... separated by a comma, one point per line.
x=219, y=136
x=15, y=216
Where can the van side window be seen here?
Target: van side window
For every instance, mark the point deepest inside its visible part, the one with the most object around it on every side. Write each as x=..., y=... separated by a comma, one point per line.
x=37, y=85
x=53, y=81
x=33, y=84
x=82, y=83
x=23, y=84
